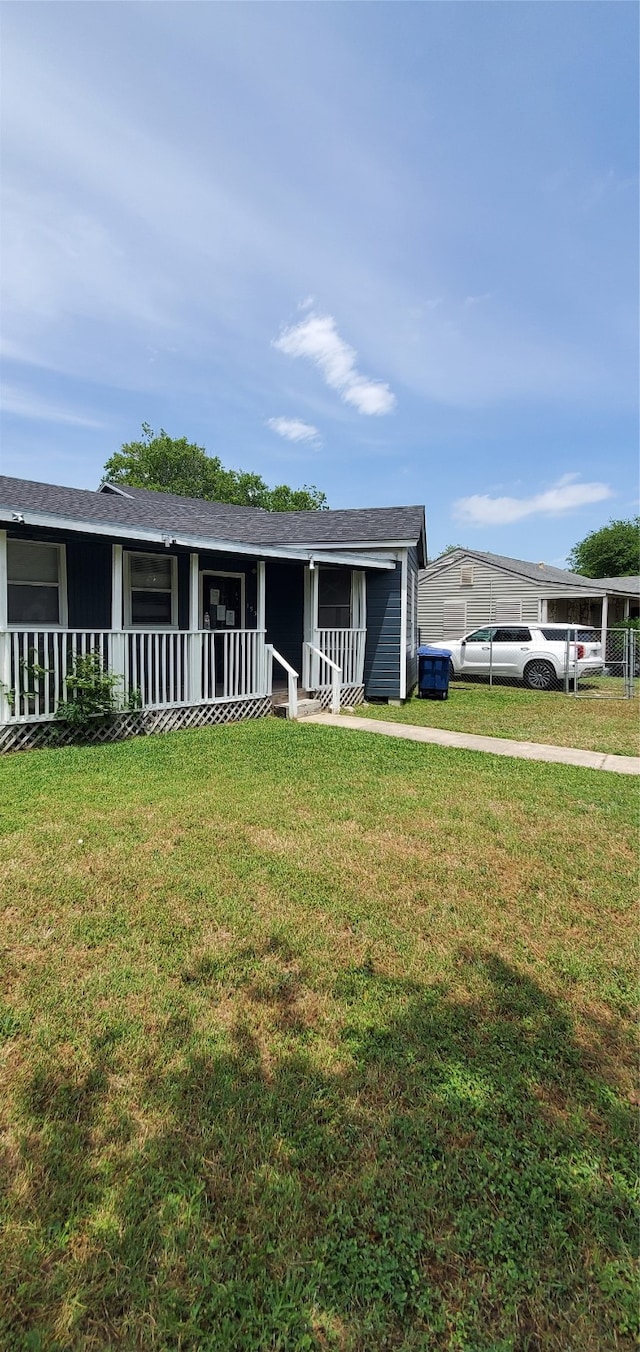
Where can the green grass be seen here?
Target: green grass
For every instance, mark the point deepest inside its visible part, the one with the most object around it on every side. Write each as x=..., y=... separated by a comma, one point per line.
x=315, y=1041
x=590, y=723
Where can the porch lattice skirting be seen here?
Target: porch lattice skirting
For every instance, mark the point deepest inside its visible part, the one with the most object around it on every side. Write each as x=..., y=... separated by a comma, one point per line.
x=30, y=736
x=350, y=695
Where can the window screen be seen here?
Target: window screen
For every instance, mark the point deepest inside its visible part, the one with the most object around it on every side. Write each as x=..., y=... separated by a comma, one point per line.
x=334, y=598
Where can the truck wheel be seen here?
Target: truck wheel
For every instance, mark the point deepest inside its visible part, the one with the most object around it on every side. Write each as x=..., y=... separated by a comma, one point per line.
x=540, y=675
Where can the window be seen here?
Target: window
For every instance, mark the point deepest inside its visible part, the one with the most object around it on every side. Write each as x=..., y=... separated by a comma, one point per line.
x=151, y=590
x=512, y=636
x=480, y=635
x=466, y=575
x=34, y=576
x=334, y=598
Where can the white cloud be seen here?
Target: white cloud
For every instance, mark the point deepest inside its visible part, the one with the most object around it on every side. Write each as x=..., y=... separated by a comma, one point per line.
x=564, y=496
x=24, y=405
x=317, y=338
x=293, y=429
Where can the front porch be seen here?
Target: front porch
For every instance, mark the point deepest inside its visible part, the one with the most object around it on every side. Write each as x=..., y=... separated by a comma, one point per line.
x=161, y=670
x=184, y=631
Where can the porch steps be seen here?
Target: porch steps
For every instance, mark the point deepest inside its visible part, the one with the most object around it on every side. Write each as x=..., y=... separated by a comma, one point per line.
x=306, y=705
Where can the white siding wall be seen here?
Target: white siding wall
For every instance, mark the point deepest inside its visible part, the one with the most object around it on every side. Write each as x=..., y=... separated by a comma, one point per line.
x=491, y=592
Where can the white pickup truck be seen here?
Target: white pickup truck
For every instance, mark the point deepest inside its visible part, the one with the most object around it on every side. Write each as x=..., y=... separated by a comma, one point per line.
x=537, y=654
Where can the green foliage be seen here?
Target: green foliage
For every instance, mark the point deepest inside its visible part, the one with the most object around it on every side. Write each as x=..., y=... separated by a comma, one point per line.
x=449, y=549
x=93, y=699
x=175, y=465
x=92, y=694
x=612, y=551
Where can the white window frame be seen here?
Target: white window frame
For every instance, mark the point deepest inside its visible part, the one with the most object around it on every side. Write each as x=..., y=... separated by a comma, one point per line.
x=61, y=584
x=220, y=572
x=128, y=554
x=466, y=575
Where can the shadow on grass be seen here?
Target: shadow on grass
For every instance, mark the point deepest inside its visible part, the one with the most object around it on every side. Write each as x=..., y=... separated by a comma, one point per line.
x=462, y=1181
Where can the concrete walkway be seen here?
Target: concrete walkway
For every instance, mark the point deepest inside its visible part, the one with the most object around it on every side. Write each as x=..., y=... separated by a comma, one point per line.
x=498, y=746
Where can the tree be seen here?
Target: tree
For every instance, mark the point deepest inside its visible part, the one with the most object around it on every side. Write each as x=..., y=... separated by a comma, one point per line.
x=449, y=549
x=171, y=465
x=612, y=551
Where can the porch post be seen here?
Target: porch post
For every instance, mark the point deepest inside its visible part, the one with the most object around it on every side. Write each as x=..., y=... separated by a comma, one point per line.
x=194, y=640
x=403, y=626
x=4, y=584
x=261, y=600
x=311, y=664
x=5, y=651
x=605, y=616
x=116, y=587
x=118, y=655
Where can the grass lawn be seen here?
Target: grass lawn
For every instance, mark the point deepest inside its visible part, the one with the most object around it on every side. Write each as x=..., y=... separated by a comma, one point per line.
x=557, y=719
x=315, y=1041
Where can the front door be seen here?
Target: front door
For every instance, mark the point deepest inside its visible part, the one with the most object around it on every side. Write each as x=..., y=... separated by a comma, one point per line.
x=222, y=610
x=222, y=606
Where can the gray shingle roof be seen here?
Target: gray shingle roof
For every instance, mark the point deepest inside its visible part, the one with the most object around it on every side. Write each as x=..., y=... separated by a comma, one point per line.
x=629, y=585
x=213, y=520
x=535, y=572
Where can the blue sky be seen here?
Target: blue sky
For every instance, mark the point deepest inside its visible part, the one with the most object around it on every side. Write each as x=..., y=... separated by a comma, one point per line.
x=389, y=249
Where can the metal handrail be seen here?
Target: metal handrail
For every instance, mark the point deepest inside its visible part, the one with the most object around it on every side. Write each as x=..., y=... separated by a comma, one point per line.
x=335, y=678
x=292, y=679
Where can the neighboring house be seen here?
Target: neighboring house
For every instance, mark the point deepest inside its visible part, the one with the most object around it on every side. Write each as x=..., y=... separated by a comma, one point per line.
x=192, y=602
x=466, y=588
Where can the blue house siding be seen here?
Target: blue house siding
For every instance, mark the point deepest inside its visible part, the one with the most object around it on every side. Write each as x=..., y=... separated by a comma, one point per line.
x=284, y=612
x=89, y=584
x=382, y=651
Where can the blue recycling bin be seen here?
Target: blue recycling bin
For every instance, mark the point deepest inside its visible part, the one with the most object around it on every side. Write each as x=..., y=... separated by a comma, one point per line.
x=433, y=673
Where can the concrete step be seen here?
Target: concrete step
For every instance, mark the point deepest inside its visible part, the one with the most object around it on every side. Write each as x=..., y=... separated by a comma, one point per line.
x=306, y=707
x=281, y=696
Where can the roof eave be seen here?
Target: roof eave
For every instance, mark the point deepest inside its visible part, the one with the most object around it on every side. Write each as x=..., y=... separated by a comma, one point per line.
x=156, y=535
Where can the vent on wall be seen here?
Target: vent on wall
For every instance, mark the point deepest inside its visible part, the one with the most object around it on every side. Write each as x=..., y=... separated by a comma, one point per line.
x=466, y=575
x=454, y=619
x=508, y=611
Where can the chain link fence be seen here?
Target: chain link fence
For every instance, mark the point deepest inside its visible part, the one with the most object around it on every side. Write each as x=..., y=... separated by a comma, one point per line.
x=570, y=659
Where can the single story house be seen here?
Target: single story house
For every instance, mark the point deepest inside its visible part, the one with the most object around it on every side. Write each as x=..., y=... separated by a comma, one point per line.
x=192, y=604
x=466, y=588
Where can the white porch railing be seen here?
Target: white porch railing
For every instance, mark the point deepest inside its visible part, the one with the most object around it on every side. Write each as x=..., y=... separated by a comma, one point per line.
x=344, y=647
x=292, y=678
x=157, y=668
x=336, y=674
